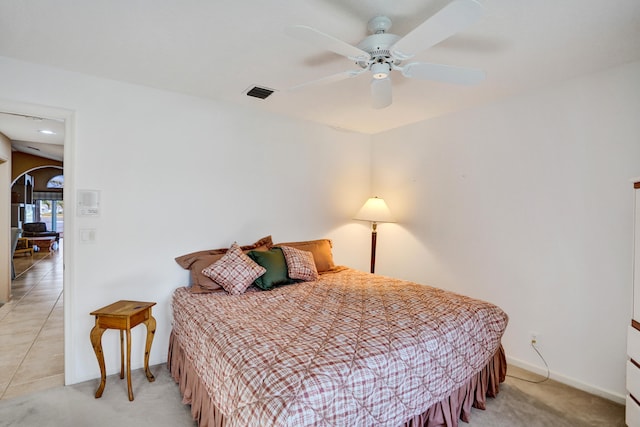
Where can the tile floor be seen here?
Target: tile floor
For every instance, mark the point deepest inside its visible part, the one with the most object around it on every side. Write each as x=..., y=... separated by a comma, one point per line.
x=31, y=326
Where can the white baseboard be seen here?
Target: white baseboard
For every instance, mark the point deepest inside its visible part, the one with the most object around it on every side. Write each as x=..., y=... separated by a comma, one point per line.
x=610, y=395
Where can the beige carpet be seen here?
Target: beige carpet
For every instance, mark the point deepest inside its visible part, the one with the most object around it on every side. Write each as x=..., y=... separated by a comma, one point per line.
x=155, y=404
x=159, y=404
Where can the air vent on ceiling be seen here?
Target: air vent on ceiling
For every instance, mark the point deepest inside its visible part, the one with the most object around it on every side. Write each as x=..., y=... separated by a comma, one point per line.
x=259, y=92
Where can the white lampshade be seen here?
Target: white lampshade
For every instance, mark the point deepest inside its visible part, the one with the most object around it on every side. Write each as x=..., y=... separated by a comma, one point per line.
x=375, y=210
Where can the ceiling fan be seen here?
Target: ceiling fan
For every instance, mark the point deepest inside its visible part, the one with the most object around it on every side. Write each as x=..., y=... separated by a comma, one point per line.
x=383, y=52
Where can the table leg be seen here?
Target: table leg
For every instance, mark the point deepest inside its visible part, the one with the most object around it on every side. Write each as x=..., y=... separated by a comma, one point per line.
x=129, y=364
x=121, y=354
x=150, y=323
x=96, y=342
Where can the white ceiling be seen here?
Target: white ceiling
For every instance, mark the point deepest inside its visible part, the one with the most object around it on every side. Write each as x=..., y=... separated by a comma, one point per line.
x=26, y=136
x=219, y=49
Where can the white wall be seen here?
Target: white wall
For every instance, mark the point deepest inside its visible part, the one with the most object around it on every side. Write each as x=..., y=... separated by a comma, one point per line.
x=526, y=203
x=178, y=174
x=5, y=217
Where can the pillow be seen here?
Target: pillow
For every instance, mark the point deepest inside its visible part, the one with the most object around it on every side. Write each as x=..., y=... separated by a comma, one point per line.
x=198, y=261
x=199, y=282
x=321, y=250
x=235, y=271
x=300, y=264
x=274, y=263
x=185, y=261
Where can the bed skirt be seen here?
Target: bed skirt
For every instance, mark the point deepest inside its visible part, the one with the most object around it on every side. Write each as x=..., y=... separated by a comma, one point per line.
x=445, y=413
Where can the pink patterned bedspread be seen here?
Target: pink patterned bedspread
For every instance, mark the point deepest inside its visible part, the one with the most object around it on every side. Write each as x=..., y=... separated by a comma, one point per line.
x=350, y=349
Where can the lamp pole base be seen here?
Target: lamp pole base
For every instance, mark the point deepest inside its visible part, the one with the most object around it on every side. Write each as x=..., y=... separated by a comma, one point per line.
x=374, y=236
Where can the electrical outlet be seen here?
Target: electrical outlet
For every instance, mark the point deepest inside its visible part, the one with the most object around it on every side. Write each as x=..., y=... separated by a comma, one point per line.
x=534, y=338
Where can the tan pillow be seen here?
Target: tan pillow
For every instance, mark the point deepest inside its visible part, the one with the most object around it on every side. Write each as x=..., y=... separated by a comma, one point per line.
x=185, y=261
x=199, y=282
x=198, y=261
x=321, y=250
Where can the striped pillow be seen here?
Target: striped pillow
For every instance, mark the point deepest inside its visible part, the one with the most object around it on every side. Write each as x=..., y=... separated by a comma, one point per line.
x=235, y=271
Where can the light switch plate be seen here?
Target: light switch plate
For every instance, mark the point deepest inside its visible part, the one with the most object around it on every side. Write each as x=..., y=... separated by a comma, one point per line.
x=87, y=235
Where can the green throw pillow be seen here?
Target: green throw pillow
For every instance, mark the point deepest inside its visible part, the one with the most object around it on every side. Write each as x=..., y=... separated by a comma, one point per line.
x=273, y=260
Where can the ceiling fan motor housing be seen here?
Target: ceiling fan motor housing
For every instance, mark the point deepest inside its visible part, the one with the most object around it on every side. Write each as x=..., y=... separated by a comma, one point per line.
x=377, y=45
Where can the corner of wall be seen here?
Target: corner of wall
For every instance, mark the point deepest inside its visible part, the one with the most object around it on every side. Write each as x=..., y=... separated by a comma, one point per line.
x=5, y=217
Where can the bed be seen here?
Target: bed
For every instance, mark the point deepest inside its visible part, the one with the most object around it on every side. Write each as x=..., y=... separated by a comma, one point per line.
x=348, y=348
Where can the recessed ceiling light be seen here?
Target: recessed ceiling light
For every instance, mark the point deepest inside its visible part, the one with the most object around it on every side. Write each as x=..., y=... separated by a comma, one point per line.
x=47, y=132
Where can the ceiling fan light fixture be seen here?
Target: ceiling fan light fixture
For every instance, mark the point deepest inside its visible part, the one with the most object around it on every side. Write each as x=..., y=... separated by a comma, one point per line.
x=380, y=70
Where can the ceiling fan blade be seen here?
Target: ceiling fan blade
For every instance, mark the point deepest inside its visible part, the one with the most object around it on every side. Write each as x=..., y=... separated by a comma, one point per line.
x=449, y=20
x=325, y=41
x=381, y=93
x=330, y=79
x=443, y=73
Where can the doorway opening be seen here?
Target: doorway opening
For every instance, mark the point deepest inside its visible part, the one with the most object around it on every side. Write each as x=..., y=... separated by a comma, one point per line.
x=40, y=281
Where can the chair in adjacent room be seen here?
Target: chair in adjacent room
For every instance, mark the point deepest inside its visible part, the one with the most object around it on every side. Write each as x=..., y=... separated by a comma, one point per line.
x=15, y=234
x=38, y=229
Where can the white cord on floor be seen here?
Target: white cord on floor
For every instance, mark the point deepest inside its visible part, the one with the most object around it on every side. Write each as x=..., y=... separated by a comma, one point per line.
x=545, y=364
